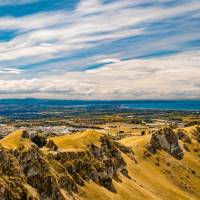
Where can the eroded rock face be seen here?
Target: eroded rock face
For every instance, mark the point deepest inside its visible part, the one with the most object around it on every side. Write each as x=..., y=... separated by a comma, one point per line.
x=39, y=173
x=165, y=139
x=100, y=164
x=12, y=188
x=7, y=159
x=28, y=173
x=12, y=179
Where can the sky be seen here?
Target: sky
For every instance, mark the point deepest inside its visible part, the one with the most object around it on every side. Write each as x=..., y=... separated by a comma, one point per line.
x=100, y=49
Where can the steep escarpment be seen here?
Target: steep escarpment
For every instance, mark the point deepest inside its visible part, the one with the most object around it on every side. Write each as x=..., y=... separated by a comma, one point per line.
x=100, y=164
x=60, y=174
x=13, y=184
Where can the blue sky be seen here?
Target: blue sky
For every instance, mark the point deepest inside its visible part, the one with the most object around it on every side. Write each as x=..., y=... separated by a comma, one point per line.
x=100, y=49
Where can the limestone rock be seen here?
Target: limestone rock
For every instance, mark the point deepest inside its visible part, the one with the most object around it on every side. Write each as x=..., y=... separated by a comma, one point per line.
x=12, y=179
x=165, y=139
x=39, y=173
x=28, y=173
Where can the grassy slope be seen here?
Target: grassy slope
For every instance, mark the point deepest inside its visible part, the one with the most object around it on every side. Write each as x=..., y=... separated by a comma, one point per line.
x=14, y=140
x=78, y=141
x=149, y=181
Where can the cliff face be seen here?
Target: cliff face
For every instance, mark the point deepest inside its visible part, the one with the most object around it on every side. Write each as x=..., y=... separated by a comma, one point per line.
x=13, y=184
x=100, y=164
x=59, y=174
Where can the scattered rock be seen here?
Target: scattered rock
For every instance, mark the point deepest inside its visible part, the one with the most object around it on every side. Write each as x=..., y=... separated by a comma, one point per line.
x=147, y=154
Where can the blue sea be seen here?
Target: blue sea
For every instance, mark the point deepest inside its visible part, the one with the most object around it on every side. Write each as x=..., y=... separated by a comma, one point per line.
x=184, y=105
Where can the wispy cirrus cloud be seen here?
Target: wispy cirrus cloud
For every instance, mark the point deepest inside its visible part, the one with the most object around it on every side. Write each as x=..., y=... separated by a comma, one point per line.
x=86, y=27
x=16, y=2
x=11, y=71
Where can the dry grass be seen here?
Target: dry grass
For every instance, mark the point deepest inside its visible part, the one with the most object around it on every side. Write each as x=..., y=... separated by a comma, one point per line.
x=14, y=140
x=171, y=180
x=78, y=141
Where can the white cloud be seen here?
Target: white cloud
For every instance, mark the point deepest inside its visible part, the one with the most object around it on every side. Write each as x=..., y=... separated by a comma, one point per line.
x=90, y=24
x=16, y=2
x=11, y=71
x=164, y=78
x=109, y=60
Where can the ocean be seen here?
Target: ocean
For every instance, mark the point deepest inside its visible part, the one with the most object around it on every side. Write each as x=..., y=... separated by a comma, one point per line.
x=184, y=105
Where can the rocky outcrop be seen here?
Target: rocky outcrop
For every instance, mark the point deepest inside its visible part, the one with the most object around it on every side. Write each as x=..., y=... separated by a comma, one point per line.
x=28, y=173
x=165, y=139
x=13, y=188
x=39, y=172
x=100, y=164
x=37, y=138
x=12, y=179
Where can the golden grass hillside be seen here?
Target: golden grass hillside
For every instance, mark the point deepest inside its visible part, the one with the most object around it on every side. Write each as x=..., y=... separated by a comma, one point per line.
x=78, y=141
x=14, y=140
x=158, y=177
